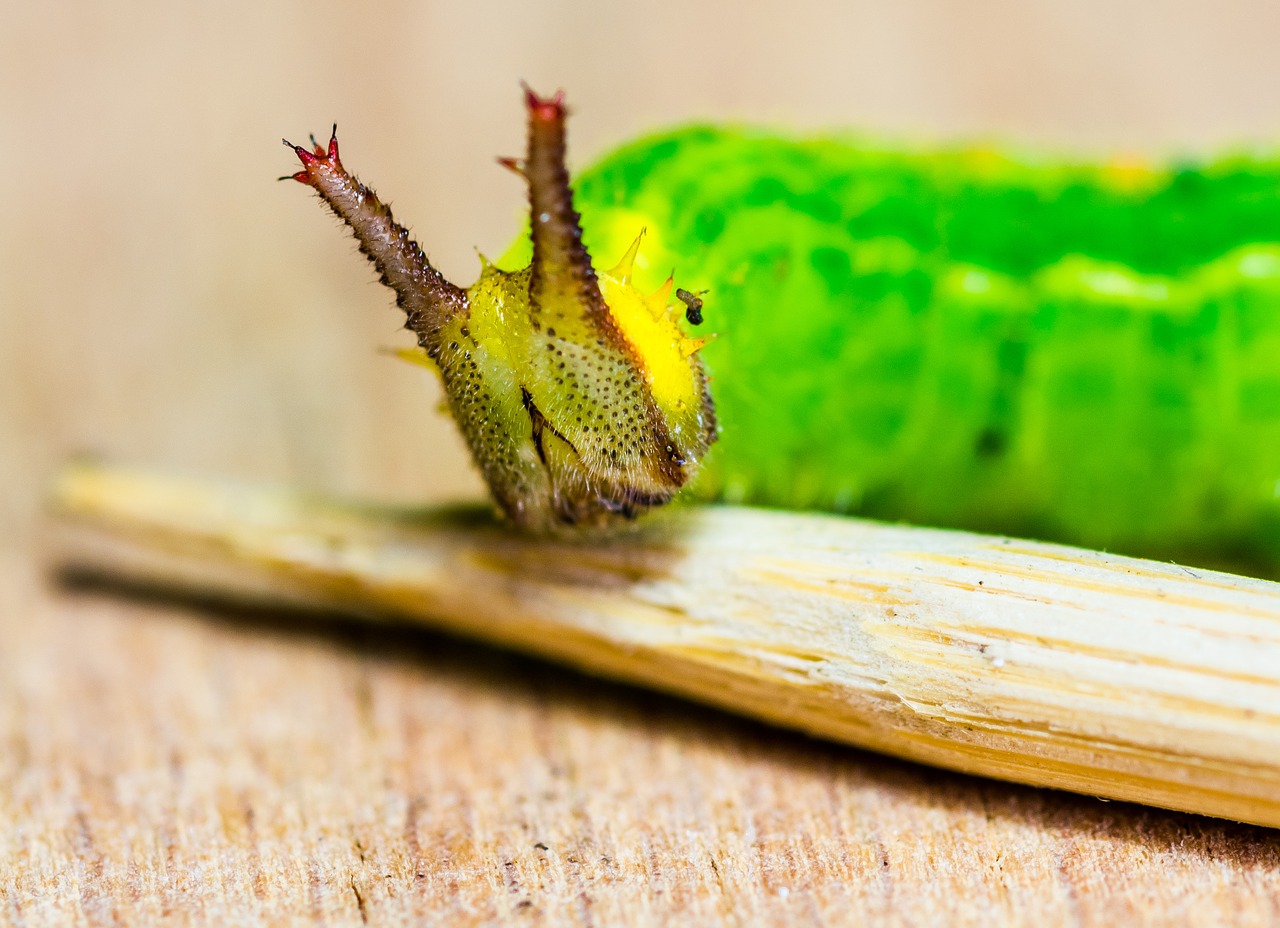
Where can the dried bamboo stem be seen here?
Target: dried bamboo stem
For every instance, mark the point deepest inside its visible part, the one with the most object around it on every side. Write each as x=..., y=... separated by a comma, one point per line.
x=1030, y=662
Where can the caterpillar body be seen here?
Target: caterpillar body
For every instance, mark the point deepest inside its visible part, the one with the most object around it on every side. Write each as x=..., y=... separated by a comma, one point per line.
x=1075, y=352
x=1084, y=353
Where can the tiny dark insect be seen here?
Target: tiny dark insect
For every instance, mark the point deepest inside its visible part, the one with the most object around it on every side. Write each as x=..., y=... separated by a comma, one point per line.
x=693, y=304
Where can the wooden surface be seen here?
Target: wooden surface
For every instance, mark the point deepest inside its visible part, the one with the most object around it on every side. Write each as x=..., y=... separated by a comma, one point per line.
x=163, y=300
x=221, y=766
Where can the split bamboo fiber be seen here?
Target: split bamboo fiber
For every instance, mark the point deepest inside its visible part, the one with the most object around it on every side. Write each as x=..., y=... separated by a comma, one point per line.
x=1036, y=663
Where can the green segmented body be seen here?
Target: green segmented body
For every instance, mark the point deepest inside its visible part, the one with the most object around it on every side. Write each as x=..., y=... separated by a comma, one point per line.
x=1085, y=353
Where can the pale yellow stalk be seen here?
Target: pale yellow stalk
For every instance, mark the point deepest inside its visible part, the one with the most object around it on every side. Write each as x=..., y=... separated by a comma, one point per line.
x=1036, y=663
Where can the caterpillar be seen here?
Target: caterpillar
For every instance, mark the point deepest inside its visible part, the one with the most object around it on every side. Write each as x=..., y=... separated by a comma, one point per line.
x=961, y=337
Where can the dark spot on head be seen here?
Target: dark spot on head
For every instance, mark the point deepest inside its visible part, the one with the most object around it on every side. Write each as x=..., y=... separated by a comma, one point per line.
x=991, y=443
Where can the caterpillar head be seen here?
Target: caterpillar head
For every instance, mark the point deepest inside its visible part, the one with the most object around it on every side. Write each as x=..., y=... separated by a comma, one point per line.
x=583, y=401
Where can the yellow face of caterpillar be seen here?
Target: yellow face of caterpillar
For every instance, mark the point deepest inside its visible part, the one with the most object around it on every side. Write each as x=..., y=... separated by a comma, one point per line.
x=576, y=420
x=583, y=401
x=650, y=326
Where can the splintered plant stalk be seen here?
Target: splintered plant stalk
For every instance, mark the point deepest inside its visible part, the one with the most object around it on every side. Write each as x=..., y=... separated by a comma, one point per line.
x=1029, y=662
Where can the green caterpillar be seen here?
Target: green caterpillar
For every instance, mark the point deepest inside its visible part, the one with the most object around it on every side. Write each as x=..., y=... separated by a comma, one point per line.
x=1083, y=353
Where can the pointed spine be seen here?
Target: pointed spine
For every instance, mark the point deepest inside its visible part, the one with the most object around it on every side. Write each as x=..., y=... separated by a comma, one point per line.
x=428, y=300
x=626, y=266
x=562, y=272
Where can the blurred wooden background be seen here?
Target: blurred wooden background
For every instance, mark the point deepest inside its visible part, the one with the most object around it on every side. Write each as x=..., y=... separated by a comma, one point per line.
x=164, y=300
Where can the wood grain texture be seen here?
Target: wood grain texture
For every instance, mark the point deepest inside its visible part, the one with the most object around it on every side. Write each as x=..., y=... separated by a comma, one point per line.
x=162, y=300
x=223, y=766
